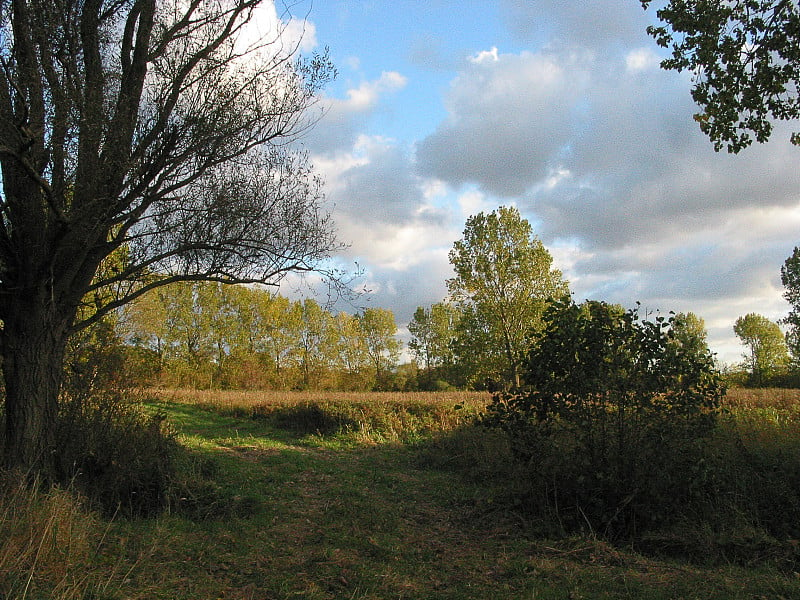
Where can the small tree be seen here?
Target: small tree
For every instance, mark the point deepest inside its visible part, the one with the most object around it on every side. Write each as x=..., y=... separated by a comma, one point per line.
x=767, y=353
x=433, y=334
x=610, y=423
x=378, y=330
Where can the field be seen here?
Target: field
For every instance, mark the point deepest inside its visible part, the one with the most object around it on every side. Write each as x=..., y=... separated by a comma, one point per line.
x=371, y=496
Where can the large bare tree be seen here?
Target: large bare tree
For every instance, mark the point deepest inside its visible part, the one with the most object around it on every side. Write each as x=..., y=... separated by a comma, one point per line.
x=153, y=130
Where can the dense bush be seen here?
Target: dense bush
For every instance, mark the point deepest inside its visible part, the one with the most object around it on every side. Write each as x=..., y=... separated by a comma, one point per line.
x=612, y=420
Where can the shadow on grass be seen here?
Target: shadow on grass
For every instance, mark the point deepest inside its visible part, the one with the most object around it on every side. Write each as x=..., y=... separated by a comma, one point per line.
x=277, y=511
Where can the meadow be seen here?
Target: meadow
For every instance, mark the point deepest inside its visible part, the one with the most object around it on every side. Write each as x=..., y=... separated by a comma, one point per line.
x=375, y=496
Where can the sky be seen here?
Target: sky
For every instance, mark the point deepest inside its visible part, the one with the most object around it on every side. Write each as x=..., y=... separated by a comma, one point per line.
x=445, y=108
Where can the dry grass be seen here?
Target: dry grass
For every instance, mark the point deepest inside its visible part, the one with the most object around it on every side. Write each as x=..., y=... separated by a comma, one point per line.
x=241, y=398
x=775, y=398
x=47, y=542
x=365, y=417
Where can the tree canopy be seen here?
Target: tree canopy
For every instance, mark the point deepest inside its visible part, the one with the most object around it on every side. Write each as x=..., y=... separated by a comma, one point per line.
x=609, y=421
x=744, y=56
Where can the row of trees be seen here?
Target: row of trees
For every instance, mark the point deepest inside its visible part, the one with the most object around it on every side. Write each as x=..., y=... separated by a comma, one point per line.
x=206, y=334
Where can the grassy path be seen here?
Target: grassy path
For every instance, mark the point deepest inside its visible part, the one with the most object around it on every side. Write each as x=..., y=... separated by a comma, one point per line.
x=327, y=518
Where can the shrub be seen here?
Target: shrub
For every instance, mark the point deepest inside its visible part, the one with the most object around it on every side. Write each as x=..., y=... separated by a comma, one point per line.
x=611, y=423
x=120, y=456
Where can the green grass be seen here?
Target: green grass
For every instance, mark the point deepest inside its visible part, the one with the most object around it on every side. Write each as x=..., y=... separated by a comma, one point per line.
x=358, y=513
x=346, y=515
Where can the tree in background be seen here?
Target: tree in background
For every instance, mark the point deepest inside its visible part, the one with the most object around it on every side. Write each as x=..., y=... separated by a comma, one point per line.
x=504, y=279
x=378, y=330
x=790, y=277
x=352, y=360
x=143, y=125
x=744, y=56
x=767, y=354
x=688, y=333
x=211, y=335
x=433, y=333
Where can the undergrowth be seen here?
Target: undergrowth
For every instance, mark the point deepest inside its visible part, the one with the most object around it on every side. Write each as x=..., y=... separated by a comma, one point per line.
x=362, y=417
x=335, y=496
x=49, y=541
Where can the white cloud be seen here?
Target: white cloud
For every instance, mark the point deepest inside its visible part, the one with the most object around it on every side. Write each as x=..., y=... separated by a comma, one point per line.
x=485, y=56
x=340, y=127
x=596, y=146
x=366, y=96
x=508, y=120
x=271, y=34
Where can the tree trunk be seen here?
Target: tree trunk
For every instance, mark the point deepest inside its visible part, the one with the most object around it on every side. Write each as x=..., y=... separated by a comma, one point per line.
x=34, y=342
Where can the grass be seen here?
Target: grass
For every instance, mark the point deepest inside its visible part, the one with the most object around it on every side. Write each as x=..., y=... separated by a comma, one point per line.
x=50, y=545
x=368, y=497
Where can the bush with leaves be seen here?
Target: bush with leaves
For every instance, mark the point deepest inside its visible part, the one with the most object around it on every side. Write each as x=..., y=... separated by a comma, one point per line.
x=610, y=424
x=120, y=455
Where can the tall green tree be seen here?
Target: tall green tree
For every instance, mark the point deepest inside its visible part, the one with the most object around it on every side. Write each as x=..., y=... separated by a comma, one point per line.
x=315, y=341
x=352, y=360
x=139, y=124
x=744, y=56
x=503, y=280
x=688, y=334
x=790, y=277
x=767, y=353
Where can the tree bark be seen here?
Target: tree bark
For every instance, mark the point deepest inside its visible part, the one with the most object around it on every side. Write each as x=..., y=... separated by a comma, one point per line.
x=32, y=351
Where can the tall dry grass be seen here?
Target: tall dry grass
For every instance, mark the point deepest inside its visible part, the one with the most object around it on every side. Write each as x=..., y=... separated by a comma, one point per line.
x=231, y=399
x=365, y=416
x=48, y=541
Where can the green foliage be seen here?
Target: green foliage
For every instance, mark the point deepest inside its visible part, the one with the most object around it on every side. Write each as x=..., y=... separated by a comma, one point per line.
x=119, y=455
x=504, y=278
x=767, y=354
x=790, y=278
x=611, y=423
x=433, y=332
x=377, y=330
x=745, y=61
x=212, y=336
x=95, y=358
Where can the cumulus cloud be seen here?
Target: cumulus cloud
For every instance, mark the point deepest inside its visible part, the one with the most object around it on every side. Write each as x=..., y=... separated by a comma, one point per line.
x=272, y=33
x=596, y=146
x=601, y=153
x=509, y=118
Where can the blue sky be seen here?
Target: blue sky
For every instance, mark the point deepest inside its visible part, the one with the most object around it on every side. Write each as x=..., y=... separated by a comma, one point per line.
x=445, y=108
